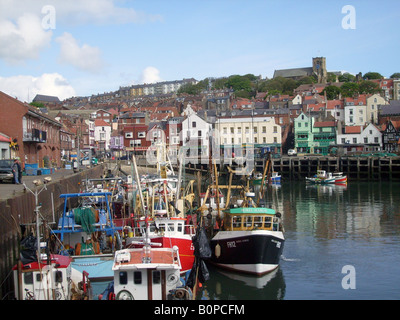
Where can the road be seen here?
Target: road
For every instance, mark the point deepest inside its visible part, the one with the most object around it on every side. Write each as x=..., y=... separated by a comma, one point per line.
x=9, y=190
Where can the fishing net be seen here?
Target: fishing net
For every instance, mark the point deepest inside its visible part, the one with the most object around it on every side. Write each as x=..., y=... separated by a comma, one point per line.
x=86, y=217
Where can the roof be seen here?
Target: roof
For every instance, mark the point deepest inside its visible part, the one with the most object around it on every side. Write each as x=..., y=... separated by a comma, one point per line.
x=295, y=72
x=44, y=98
x=320, y=124
x=391, y=109
x=353, y=129
x=4, y=138
x=101, y=123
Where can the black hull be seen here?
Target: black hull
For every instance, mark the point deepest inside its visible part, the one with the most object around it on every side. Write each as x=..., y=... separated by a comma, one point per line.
x=255, y=252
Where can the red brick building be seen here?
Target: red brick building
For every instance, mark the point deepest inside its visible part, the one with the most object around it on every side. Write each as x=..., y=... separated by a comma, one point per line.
x=35, y=136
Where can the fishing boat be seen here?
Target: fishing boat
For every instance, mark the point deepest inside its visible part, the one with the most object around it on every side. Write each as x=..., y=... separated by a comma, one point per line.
x=167, y=225
x=49, y=278
x=150, y=271
x=275, y=177
x=323, y=177
x=39, y=274
x=87, y=234
x=250, y=239
x=340, y=178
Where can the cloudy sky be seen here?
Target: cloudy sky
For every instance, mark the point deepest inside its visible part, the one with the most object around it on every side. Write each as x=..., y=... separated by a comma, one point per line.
x=80, y=48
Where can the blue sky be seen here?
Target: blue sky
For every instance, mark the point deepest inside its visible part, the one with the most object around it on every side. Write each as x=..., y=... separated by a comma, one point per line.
x=95, y=46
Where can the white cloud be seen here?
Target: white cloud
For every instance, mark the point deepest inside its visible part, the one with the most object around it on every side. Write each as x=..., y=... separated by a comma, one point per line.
x=83, y=57
x=25, y=87
x=79, y=12
x=150, y=75
x=24, y=39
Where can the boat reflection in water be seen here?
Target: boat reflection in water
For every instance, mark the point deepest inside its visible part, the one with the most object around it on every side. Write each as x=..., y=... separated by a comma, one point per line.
x=227, y=285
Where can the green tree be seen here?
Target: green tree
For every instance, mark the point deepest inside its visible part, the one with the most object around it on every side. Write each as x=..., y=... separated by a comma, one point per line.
x=368, y=87
x=331, y=77
x=346, y=77
x=37, y=104
x=395, y=75
x=238, y=83
x=372, y=76
x=349, y=89
x=332, y=92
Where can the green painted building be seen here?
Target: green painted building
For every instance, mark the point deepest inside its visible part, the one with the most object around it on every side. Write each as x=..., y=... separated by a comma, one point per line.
x=303, y=135
x=314, y=137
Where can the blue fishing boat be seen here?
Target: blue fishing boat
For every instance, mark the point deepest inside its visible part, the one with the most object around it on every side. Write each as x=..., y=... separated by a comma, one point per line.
x=88, y=234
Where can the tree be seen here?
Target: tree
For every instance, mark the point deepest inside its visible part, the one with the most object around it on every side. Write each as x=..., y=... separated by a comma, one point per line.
x=372, y=76
x=37, y=104
x=238, y=83
x=347, y=77
x=332, y=92
x=349, y=89
x=368, y=87
x=395, y=75
x=331, y=77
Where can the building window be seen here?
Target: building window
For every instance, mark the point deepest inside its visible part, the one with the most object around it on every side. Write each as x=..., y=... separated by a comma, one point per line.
x=194, y=124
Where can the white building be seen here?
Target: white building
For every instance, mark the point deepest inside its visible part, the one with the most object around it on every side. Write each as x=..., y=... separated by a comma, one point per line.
x=260, y=131
x=102, y=135
x=195, y=137
x=355, y=137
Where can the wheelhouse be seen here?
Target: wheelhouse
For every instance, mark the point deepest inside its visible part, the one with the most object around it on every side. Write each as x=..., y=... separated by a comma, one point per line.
x=246, y=219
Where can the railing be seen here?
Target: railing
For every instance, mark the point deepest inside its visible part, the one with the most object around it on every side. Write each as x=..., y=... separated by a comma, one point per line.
x=35, y=135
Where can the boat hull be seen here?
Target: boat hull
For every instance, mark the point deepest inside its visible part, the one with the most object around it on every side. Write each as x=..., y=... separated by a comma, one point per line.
x=255, y=252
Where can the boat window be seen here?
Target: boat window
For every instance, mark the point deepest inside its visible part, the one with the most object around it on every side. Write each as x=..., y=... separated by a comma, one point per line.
x=156, y=277
x=137, y=277
x=161, y=227
x=236, y=222
x=38, y=277
x=123, y=277
x=171, y=227
x=180, y=227
x=249, y=221
x=267, y=222
x=58, y=277
x=258, y=222
x=28, y=277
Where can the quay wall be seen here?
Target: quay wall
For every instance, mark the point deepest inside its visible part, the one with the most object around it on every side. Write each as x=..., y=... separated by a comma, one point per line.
x=298, y=168
x=20, y=210
x=356, y=168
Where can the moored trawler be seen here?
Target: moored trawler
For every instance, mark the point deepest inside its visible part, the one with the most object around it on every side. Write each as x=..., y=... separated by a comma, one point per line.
x=251, y=240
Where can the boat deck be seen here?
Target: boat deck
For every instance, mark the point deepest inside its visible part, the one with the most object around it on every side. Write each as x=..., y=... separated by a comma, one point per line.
x=142, y=257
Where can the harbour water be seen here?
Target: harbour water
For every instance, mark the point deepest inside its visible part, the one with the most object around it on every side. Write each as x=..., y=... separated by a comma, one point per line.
x=342, y=242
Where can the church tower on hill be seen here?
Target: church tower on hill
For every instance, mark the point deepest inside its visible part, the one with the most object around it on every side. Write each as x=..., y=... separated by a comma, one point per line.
x=319, y=69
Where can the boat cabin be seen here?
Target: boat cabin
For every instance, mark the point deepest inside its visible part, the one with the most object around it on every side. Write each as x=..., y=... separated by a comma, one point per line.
x=245, y=219
x=49, y=279
x=165, y=226
x=146, y=273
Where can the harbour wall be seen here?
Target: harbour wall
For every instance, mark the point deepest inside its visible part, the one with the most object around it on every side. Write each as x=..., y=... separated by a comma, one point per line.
x=20, y=209
x=359, y=168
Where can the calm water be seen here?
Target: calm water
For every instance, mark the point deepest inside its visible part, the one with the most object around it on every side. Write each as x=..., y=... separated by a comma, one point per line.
x=327, y=228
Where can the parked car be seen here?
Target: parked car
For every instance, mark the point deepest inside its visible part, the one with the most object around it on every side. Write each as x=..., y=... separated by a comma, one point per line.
x=291, y=152
x=6, y=173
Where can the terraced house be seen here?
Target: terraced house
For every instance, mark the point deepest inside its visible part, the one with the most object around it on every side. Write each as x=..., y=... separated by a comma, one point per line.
x=303, y=138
